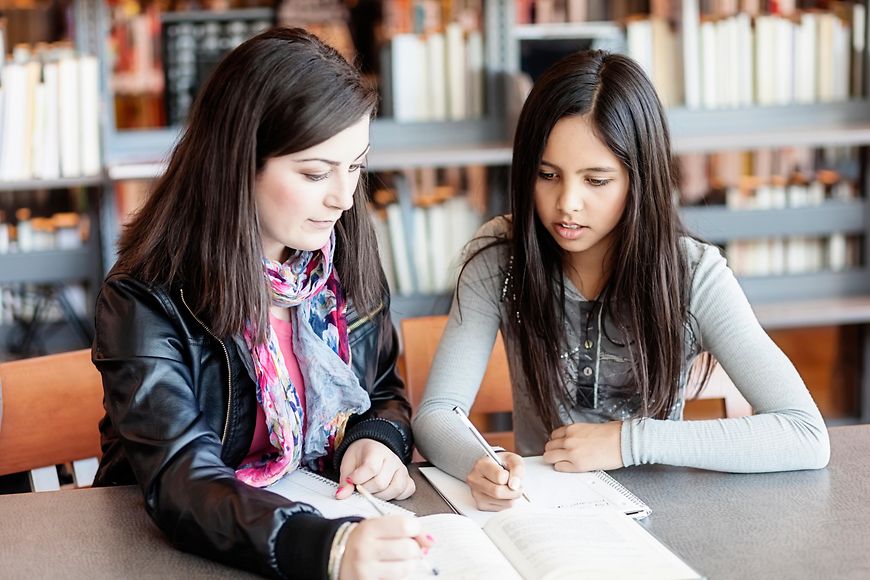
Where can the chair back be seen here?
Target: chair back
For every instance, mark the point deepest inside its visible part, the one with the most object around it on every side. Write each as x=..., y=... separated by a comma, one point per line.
x=420, y=338
x=51, y=407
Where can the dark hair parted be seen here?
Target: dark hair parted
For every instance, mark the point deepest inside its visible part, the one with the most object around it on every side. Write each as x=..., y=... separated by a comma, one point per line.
x=280, y=92
x=647, y=282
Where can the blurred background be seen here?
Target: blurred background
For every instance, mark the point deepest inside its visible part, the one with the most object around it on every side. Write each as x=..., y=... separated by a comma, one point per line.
x=767, y=103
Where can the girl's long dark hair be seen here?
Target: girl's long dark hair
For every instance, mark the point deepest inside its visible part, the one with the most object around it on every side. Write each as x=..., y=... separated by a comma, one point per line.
x=280, y=92
x=647, y=290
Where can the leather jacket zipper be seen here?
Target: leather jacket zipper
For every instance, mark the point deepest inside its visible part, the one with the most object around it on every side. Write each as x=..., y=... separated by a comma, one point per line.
x=229, y=369
x=363, y=319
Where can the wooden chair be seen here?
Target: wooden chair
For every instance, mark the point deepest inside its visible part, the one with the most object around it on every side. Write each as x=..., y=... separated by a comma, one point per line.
x=719, y=399
x=420, y=337
x=51, y=407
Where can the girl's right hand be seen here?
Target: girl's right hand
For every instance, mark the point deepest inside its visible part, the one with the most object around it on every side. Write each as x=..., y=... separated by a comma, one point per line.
x=494, y=488
x=385, y=547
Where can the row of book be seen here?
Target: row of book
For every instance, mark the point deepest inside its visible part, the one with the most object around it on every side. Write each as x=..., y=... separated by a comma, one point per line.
x=740, y=59
x=60, y=231
x=794, y=255
x=785, y=175
x=423, y=219
x=434, y=77
x=49, y=114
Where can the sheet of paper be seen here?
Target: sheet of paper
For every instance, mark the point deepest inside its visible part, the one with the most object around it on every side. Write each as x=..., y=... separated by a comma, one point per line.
x=304, y=486
x=462, y=551
x=545, y=487
x=595, y=543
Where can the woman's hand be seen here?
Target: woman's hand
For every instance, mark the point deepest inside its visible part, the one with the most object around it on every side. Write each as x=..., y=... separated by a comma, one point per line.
x=386, y=547
x=372, y=465
x=494, y=488
x=585, y=447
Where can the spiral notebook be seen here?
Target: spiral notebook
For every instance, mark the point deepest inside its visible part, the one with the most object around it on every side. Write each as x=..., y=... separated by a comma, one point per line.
x=308, y=487
x=546, y=488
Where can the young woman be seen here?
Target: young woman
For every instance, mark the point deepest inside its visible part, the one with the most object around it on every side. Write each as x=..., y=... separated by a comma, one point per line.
x=244, y=331
x=605, y=304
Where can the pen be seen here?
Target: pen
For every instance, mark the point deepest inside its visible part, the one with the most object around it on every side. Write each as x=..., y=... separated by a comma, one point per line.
x=489, y=450
x=371, y=499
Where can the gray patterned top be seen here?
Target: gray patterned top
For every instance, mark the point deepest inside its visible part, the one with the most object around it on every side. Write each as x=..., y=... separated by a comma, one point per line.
x=787, y=431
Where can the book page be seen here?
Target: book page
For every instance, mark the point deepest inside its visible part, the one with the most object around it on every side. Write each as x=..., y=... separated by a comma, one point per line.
x=595, y=543
x=545, y=487
x=462, y=551
x=307, y=487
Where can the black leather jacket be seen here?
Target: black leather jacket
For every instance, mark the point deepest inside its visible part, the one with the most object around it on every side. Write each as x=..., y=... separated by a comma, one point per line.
x=180, y=415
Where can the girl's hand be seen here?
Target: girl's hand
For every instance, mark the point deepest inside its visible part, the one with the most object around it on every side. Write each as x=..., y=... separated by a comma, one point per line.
x=373, y=466
x=494, y=488
x=585, y=447
x=386, y=547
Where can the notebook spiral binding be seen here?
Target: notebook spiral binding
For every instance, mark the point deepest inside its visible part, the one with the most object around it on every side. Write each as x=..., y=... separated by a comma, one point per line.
x=607, y=479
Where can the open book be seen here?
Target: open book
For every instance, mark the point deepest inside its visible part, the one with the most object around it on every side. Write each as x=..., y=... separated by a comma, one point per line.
x=546, y=488
x=549, y=545
x=515, y=544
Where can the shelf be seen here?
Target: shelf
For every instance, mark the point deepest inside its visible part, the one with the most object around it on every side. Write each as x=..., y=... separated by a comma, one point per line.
x=31, y=184
x=719, y=224
x=791, y=288
x=413, y=305
x=568, y=31
x=823, y=124
x=142, y=154
x=217, y=16
x=823, y=312
x=51, y=266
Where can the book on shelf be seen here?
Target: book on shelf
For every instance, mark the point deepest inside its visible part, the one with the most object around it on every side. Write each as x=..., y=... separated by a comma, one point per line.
x=423, y=225
x=50, y=115
x=539, y=544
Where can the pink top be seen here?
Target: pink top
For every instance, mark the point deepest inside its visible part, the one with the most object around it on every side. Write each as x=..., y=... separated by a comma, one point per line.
x=284, y=331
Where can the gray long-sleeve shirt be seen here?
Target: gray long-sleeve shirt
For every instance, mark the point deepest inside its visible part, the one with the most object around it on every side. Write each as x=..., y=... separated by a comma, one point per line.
x=787, y=431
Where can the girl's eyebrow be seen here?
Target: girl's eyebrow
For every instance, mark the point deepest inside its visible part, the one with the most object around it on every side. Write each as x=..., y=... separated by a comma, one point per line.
x=331, y=162
x=584, y=170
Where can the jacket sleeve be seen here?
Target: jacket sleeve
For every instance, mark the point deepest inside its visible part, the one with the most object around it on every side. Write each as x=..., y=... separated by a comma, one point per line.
x=388, y=420
x=176, y=457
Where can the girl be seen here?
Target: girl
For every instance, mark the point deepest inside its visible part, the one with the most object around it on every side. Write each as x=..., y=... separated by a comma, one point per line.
x=244, y=331
x=605, y=303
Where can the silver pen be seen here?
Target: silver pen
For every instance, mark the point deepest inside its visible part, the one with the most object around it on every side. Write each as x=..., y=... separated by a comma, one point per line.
x=371, y=499
x=489, y=450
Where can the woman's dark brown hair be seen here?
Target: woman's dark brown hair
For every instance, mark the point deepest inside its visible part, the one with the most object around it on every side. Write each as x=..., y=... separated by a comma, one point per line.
x=280, y=92
x=648, y=281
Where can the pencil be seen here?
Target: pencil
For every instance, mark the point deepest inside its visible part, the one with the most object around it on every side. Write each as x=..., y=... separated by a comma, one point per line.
x=371, y=499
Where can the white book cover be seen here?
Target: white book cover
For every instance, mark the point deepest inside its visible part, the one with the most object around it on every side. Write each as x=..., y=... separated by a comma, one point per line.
x=439, y=247
x=842, y=47
x=825, y=57
x=69, y=111
x=33, y=124
x=457, y=73
x=436, y=53
x=89, y=122
x=665, y=59
x=777, y=256
x=709, y=74
x=401, y=259
x=783, y=68
x=805, y=59
x=476, y=74
x=422, y=240
x=37, y=136
x=727, y=63
x=691, y=54
x=49, y=163
x=765, y=55
x=382, y=234
x=14, y=122
x=639, y=36
x=746, y=78
x=409, y=78
x=837, y=252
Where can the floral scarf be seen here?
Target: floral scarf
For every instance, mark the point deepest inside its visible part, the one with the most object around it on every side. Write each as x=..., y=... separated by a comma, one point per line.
x=308, y=283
